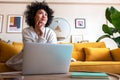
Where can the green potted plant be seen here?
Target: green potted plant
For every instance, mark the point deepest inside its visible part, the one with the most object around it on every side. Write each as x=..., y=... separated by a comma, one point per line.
x=113, y=16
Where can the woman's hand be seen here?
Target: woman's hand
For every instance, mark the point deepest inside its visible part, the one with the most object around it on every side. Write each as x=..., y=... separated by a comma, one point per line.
x=39, y=27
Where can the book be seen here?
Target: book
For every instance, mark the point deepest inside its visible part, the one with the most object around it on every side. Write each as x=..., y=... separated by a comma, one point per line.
x=89, y=75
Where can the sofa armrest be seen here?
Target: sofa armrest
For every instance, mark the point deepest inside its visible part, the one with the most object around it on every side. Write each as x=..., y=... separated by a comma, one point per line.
x=7, y=51
x=18, y=46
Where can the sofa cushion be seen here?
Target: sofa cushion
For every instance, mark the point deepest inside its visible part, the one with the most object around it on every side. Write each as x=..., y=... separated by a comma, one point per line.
x=116, y=54
x=97, y=54
x=78, y=53
x=6, y=51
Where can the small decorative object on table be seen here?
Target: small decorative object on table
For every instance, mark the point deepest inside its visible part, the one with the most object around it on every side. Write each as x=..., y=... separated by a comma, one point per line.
x=90, y=75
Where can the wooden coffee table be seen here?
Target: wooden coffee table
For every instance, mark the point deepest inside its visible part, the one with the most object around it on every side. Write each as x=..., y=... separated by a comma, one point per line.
x=64, y=77
x=67, y=76
x=11, y=75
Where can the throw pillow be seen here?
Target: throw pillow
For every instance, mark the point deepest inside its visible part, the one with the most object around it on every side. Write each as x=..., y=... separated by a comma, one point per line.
x=97, y=54
x=116, y=54
x=78, y=53
x=6, y=51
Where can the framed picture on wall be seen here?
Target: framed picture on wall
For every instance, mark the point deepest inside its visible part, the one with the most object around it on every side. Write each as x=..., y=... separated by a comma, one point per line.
x=77, y=38
x=80, y=23
x=1, y=22
x=15, y=23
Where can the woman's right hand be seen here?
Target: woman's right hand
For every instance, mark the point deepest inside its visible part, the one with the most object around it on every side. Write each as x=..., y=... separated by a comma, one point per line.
x=39, y=27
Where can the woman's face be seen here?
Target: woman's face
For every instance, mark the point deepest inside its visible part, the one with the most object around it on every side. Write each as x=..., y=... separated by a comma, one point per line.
x=41, y=17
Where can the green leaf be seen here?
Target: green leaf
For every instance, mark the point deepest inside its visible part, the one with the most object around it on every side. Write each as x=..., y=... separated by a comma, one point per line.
x=117, y=40
x=113, y=30
x=113, y=10
x=107, y=29
x=115, y=18
x=107, y=15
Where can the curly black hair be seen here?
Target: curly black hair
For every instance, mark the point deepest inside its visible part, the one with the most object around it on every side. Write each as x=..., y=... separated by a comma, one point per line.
x=33, y=8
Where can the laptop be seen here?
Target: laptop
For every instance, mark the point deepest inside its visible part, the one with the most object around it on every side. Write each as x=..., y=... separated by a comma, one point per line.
x=46, y=58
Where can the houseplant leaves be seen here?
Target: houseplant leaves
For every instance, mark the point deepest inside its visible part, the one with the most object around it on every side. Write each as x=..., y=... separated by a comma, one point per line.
x=113, y=16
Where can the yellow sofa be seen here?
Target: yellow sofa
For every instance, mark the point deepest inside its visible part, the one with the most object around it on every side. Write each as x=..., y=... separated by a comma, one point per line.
x=95, y=57
x=92, y=56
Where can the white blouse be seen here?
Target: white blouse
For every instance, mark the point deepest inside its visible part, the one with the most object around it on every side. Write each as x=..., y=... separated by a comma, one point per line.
x=29, y=35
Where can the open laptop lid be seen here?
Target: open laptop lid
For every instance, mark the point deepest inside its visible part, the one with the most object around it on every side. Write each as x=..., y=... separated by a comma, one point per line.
x=46, y=58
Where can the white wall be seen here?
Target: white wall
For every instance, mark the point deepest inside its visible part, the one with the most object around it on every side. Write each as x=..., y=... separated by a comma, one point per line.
x=92, y=11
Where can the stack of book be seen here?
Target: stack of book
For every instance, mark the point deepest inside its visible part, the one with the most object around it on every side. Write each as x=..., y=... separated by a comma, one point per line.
x=90, y=75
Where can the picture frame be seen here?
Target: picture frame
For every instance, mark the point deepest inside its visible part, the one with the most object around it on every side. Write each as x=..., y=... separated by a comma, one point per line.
x=80, y=23
x=15, y=23
x=77, y=38
x=1, y=22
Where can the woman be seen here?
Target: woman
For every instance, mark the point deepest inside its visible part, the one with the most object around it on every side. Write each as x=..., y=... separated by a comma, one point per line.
x=38, y=17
